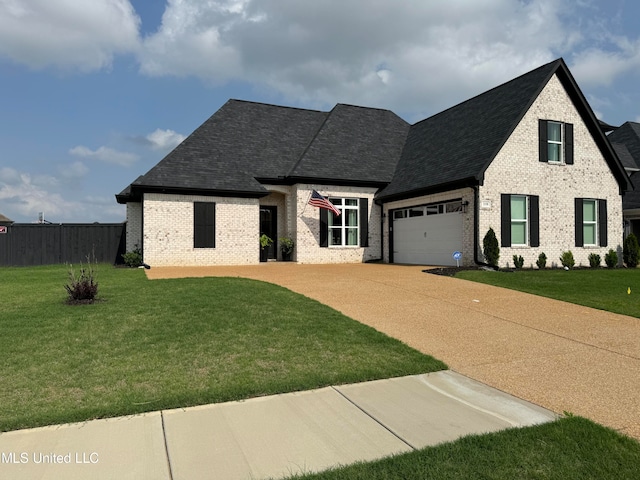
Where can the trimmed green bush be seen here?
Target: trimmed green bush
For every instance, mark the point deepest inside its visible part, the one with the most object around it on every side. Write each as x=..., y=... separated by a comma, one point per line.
x=490, y=248
x=567, y=259
x=630, y=251
x=594, y=260
x=518, y=261
x=611, y=258
x=133, y=258
x=542, y=261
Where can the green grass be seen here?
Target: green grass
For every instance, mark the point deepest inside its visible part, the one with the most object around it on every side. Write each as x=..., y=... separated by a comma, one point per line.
x=149, y=345
x=605, y=289
x=568, y=449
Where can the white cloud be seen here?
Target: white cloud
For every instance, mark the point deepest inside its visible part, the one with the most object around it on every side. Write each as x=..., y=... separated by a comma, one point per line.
x=164, y=139
x=105, y=154
x=25, y=196
x=68, y=34
x=74, y=170
x=393, y=54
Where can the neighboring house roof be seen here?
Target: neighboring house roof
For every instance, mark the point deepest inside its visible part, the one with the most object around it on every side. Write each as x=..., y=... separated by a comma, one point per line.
x=246, y=143
x=5, y=220
x=454, y=148
x=628, y=162
x=628, y=134
x=631, y=199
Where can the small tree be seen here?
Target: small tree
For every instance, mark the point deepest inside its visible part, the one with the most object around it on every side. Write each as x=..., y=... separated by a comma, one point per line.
x=630, y=251
x=490, y=248
x=611, y=258
x=542, y=261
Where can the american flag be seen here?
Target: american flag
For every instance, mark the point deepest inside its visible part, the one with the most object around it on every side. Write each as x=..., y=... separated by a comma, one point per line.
x=319, y=201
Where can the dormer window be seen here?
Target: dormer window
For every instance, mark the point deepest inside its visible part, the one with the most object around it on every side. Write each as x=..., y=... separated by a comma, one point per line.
x=556, y=142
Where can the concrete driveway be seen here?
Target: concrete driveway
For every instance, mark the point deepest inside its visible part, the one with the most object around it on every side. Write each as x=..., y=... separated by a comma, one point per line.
x=557, y=355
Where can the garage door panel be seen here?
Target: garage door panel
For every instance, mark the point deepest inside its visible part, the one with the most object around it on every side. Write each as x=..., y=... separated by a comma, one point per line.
x=427, y=240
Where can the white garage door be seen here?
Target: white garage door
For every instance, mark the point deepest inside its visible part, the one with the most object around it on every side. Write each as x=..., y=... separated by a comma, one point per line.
x=427, y=235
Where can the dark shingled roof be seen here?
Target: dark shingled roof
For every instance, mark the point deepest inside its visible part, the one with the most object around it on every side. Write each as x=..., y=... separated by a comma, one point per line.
x=246, y=143
x=631, y=199
x=355, y=144
x=628, y=162
x=628, y=134
x=454, y=148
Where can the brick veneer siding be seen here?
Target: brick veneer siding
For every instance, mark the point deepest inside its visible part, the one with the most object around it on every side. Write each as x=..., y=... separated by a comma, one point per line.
x=517, y=170
x=466, y=194
x=168, y=231
x=307, y=226
x=134, y=225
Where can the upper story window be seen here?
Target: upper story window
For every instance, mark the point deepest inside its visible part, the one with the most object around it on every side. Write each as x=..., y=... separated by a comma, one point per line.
x=556, y=142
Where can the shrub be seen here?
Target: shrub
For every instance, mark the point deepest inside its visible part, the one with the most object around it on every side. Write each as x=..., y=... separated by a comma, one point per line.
x=542, y=261
x=567, y=259
x=133, y=258
x=518, y=261
x=83, y=287
x=630, y=251
x=490, y=248
x=594, y=260
x=611, y=258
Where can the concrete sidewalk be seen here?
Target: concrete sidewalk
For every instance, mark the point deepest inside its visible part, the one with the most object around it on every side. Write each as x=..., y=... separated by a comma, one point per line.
x=272, y=436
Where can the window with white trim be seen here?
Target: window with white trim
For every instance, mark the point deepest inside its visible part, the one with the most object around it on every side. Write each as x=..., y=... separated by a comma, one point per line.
x=519, y=220
x=554, y=142
x=343, y=229
x=590, y=222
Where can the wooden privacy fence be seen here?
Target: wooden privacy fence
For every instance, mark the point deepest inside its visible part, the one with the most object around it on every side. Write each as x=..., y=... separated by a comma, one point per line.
x=24, y=244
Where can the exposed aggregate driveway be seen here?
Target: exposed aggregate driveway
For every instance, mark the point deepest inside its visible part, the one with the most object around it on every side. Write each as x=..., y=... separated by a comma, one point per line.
x=561, y=356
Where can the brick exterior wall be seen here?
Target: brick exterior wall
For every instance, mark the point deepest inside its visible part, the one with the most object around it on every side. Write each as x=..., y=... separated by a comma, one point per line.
x=517, y=170
x=168, y=231
x=134, y=225
x=307, y=227
x=466, y=194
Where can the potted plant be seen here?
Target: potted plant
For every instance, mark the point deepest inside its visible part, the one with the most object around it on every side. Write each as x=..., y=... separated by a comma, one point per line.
x=286, y=247
x=265, y=243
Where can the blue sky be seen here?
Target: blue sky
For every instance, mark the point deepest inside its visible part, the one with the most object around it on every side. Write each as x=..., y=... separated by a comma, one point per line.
x=94, y=93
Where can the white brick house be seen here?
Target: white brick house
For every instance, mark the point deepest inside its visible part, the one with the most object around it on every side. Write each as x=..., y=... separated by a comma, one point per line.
x=527, y=158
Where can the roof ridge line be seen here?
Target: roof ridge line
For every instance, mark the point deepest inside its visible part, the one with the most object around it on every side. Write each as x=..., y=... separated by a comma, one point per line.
x=313, y=139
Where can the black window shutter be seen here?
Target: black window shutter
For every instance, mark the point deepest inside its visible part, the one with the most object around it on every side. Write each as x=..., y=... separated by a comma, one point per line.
x=364, y=222
x=602, y=222
x=505, y=220
x=324, y=227
x=568, y=143
x=204, y=225
x=542, y=134
x=579, y=225
x=534, y=221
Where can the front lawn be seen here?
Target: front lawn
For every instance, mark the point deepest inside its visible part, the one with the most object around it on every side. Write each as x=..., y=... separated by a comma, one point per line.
x=605, y=289
x=568, y=449
x=150, y=345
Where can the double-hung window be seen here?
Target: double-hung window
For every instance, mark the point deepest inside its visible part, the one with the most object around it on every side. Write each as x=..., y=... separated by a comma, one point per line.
x=591, y=222
x=343, y=228
x=519, y=220
x=556, y=142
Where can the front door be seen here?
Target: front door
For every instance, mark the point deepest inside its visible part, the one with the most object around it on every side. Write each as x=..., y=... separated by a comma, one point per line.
x=269, y=227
